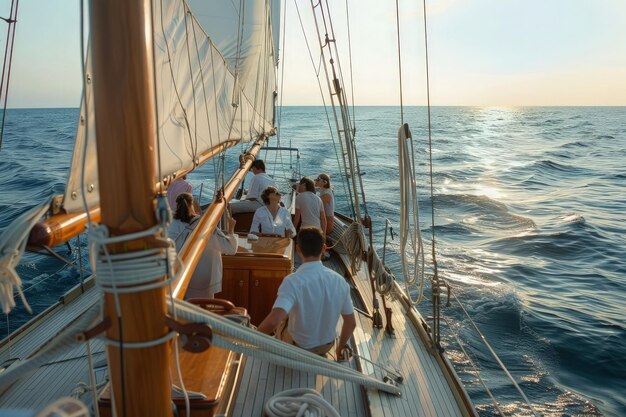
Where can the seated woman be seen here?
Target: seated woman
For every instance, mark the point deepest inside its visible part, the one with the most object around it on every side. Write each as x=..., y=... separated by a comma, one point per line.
x=272, y=218
x=206, y=280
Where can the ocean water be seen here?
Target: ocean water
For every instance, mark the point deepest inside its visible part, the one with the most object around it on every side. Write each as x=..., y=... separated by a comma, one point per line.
x=529, y=229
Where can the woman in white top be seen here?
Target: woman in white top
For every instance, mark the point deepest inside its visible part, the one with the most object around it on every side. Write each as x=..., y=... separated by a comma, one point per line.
x=206, y=280
x=272, y=218
x=328, y=200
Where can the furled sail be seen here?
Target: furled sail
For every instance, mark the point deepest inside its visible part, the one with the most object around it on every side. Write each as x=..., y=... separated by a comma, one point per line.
x=215, y=77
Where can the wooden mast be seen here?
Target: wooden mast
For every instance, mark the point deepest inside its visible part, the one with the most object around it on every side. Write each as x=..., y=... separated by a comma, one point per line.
x=121, y=32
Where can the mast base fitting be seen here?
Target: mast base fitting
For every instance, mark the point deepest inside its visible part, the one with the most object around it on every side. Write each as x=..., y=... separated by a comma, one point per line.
x=195, y=337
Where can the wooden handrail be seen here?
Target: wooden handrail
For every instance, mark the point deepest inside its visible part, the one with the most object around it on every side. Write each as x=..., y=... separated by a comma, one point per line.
x=193, y=248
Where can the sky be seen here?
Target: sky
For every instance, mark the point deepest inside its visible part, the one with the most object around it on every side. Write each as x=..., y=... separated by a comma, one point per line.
x=481, y=53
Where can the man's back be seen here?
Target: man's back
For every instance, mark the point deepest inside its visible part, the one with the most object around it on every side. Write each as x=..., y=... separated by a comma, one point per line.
x=258, y=184
x=315, y=297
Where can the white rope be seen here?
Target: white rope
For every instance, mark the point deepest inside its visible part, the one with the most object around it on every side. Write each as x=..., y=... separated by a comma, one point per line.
x=132, y=271
x=383, y=276
x=12, y=245
x=233, y=336
x=299, y=402
x=352, y=239
x=58, y=345
x=409, y=216
x=92, y=379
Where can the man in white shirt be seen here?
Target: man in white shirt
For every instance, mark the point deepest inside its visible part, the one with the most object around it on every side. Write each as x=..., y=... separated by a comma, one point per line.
x=313, y=298
x=259, y=183
x=309, y=207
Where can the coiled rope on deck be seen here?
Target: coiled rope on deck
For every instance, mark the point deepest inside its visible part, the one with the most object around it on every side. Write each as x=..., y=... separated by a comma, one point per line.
x=350, y=238
x=299, y=402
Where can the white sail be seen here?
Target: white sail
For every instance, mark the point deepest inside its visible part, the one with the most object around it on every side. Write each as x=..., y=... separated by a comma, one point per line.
x=215, y=83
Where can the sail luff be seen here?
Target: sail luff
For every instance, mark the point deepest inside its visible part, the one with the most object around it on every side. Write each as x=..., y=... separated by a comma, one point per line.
x=124, y=100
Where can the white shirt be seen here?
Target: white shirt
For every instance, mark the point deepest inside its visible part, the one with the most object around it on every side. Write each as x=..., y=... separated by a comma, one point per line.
x=258, y=184
x=329, y=208
x=314, y=297
x=264, y=222
x=310, y=206
x=207, y=277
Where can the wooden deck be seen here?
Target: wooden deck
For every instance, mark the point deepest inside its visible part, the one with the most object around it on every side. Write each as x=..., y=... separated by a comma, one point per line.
x=61, y=376
x=425, y=388
x=425, y=391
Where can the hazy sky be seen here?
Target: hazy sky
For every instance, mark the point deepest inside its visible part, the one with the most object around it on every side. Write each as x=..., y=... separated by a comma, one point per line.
x=482, y=52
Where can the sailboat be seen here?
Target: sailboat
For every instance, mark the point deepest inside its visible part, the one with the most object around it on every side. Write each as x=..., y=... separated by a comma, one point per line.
x=168, y=86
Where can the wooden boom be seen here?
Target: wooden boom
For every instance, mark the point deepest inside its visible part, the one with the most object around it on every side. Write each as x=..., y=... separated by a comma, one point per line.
x=61, y=227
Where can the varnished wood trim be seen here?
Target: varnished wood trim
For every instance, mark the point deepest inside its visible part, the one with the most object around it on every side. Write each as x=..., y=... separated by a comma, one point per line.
x=60, y=228
x=193, y=248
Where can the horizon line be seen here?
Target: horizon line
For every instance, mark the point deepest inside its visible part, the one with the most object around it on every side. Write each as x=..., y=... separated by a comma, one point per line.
x=391, y=105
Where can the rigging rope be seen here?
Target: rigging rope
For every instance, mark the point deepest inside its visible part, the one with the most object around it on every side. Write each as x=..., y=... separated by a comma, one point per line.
x=11, y=21
x=409, y=216
x=495, y=356
x=399, y=61
x=342, y=173
x=350, y=61
x=430, y=146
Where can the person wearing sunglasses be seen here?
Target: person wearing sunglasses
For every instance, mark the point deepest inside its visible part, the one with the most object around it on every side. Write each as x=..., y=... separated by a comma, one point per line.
x=272, y=218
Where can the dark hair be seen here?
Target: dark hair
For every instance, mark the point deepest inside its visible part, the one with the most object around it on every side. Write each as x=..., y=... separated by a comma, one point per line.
x=184, y=208
x=324, y=179
x=259, y=164
x=265, y=195
x=308, y=183
x=311, y=241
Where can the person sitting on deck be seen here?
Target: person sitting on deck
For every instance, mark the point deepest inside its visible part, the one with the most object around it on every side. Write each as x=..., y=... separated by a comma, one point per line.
x=312, y=299
x=206, y=280
x=259, y=183
x=309, y=207
x=272, y=218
